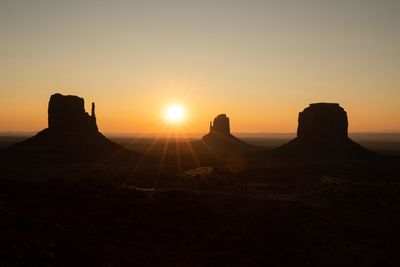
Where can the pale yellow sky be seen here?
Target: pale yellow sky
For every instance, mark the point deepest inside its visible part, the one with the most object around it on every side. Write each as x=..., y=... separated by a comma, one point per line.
x=260, y=62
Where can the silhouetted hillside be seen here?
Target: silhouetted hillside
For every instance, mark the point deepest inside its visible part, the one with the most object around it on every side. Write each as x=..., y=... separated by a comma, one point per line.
x=72, y=134
x=322, y=133
x=220, y=140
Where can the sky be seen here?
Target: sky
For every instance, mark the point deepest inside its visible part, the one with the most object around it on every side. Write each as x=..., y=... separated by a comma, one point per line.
x=260, y=62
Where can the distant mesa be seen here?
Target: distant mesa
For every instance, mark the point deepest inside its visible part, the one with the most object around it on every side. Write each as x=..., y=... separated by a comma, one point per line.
x=323, y=121
x=71, y=132
x=322, y=133
x=220, y=139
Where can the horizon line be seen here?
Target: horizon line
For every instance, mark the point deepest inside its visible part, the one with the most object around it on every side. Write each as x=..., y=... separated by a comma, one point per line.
x=138, y=134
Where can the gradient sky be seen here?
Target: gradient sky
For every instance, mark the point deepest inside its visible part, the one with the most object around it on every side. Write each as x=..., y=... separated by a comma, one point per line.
x=261, y=62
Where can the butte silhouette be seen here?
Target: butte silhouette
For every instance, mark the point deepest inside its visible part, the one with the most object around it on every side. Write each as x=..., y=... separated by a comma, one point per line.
x=322, y=133
x=220, y=139
x=71, y=133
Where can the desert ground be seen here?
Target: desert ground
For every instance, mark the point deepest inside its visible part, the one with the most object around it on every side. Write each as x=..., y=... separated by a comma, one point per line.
x=169, y=205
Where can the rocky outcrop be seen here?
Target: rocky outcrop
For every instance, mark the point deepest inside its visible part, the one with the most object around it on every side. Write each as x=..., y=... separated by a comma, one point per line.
x=67, y=114
x=220, y=125
x=220, y=140
x=71, y=134
x=327, y=121
x=322, y=133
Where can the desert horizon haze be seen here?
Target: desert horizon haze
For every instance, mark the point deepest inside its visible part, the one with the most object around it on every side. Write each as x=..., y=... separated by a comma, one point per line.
x=261, y=62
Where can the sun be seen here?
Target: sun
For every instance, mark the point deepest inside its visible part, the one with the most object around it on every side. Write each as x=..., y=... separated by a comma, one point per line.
x=174, y=113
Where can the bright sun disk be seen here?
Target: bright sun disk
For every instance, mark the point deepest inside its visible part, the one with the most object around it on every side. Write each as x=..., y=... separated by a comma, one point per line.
x=174, y=113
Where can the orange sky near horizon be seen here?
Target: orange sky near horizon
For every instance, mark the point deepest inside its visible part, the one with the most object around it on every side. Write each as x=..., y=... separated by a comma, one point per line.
x=260, y=62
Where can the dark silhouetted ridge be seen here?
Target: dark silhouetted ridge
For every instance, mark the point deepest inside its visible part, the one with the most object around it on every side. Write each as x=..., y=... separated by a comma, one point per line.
x=71, y=134
x=322, y=133
x=220, y=139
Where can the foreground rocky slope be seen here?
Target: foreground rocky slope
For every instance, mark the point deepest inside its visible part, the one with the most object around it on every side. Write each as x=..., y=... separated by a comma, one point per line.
x=281, y=215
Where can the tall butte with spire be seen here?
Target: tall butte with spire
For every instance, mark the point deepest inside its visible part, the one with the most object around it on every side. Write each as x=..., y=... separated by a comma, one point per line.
x=71, y=132
x=220, y=140
x=66, y=114
x=322, y=132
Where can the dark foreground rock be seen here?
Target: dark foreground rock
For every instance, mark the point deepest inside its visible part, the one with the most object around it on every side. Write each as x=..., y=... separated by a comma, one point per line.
x=283, y=215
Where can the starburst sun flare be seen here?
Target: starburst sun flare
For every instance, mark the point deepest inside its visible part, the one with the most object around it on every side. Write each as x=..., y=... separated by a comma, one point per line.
x=174, y=113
